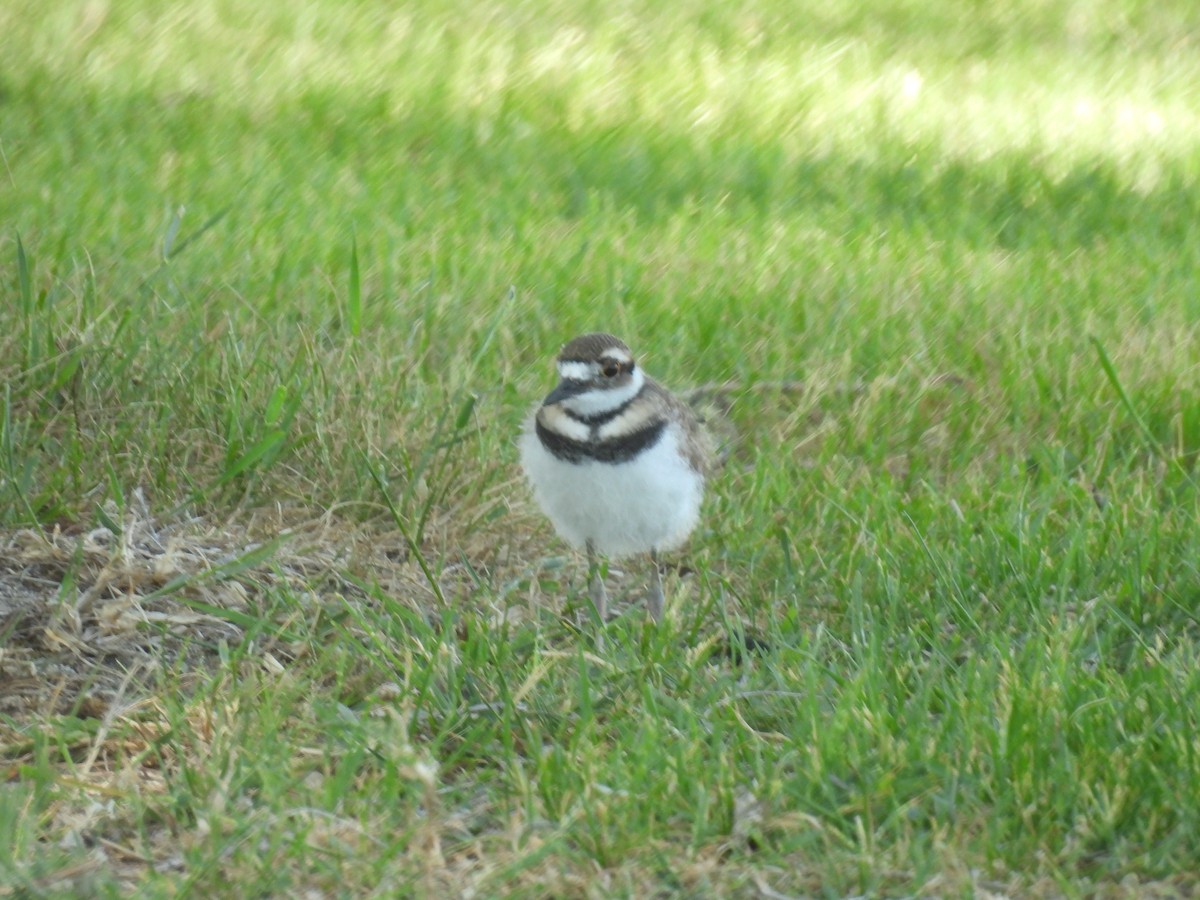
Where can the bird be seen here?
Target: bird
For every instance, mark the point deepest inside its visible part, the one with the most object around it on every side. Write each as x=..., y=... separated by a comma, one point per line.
x=615, y=460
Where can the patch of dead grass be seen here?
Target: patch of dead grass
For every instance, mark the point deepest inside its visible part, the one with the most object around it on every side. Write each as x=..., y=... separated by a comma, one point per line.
x=88, y=616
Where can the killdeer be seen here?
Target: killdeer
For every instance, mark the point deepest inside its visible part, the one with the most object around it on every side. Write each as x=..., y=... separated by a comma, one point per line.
x=616, y=461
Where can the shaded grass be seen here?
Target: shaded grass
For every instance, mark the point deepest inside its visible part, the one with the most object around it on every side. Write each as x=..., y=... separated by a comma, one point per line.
x=316, y=258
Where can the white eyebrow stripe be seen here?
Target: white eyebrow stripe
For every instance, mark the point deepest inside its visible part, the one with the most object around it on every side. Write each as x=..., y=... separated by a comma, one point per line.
x=576, y=371
x=618, y=354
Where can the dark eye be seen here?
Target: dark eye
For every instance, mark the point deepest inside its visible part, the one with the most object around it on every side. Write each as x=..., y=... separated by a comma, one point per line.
x=611, y=369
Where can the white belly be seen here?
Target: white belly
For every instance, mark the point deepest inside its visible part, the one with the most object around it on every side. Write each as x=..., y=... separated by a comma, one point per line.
x=651, y=502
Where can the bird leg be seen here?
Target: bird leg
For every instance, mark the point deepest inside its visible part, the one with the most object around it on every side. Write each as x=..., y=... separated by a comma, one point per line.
x=655, y=601
x=596, y=592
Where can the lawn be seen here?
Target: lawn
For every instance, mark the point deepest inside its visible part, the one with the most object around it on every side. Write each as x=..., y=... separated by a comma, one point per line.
x=279, y=284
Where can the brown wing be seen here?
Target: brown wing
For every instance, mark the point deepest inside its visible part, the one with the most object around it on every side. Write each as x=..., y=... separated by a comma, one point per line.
x=698, y=449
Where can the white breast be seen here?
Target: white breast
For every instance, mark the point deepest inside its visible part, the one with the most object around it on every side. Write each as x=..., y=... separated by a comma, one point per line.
x=651, y=502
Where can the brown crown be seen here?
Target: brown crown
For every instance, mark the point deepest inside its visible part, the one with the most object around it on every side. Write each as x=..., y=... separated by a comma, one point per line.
x=590, y=347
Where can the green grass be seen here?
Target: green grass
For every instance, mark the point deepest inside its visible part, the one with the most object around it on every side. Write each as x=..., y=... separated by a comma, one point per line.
x=265, y=264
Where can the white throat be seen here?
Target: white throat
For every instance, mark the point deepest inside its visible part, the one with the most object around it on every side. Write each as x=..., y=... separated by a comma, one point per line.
x=602, y=400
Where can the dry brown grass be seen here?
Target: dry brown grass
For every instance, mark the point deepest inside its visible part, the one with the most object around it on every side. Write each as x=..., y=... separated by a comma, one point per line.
x=88, y=615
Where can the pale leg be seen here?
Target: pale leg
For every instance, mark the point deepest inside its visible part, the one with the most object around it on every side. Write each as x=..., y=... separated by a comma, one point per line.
x=655, y=601
x=596, y=590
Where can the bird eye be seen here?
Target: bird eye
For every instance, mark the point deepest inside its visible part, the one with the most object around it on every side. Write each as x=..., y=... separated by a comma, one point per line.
x=611, y=370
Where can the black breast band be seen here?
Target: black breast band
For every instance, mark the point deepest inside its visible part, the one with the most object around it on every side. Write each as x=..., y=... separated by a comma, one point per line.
x=613, y=450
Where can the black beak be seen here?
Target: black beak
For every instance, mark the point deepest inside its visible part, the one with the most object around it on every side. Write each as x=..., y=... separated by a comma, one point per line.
x=565, y=390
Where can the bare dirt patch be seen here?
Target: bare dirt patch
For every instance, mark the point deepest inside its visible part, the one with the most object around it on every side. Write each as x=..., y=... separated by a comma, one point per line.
x=90, y=615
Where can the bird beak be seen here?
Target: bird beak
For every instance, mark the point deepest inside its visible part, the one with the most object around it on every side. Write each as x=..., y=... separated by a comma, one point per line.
x=565, y=390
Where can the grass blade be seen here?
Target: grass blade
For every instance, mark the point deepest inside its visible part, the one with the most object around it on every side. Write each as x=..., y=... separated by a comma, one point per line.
x=354, y=295
x=413, y=547
x=262, y=448
x=1152, y=444
x=248, y=560
x=1110, y=372
x=25, y=295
